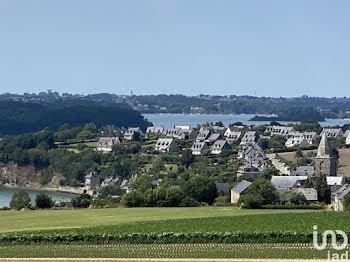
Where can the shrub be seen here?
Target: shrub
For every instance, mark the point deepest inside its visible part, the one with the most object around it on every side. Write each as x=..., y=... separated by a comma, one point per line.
x=189, y=202
x=20, y=199
x=42, y=200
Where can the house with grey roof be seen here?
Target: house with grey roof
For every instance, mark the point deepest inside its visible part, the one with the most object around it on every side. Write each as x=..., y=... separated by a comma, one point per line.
x=235, y=128
x=309, y=193
x=234, y=136
x=159, y=130
x=92, y=180
x=203, y=135
x=125, y=186
x=109, y=181
x=156, y=183
x=239, y=190
x=335, y=182
x=283, y=183
x=106, y=144
x=280, y=130
x=332, y=132
x=337, y=198
x=303, y=171
x=218, y=146
x=197, y=148
x=174, y=132
x=311, y=137
x=188, y=134
x=165, y=145
x=213, y=137
x=296, y=142
x=131, y=132
x=250, y=137
x=249, y=170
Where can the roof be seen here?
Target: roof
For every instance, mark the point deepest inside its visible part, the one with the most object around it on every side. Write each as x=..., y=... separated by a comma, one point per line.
x=219, y=144
x=224, y=187
x=324, y=148
x=309, y=193
x=347, y=133
x=285, y=182
x=198, y=146
x=304, y=171
x=343, y=191
x=241, y=186
x=335, y=180
x=214, y=137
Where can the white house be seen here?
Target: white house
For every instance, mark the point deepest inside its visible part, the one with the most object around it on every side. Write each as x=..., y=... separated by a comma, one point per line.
x=130, y=133
x=311, y=137
x=166, y=145
x=338, y=198
x=333, y=132
x=106, y=144
x=218, y=146
x=198, y=147
x=347, y=137
x=280, y=130
x=297, y=141
x=156, y=130
x=250, y=137
x=234, y=136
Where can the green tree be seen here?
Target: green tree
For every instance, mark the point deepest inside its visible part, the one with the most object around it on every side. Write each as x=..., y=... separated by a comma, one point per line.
x=263, y=190
x=187, y=157
x=323, y=191
x=43, y=200
x=267, y=173
x=347, y=202
x=20, y=199
x=202, y=189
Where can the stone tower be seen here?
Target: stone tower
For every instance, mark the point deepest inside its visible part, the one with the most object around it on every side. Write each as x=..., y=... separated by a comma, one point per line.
x=325, y=163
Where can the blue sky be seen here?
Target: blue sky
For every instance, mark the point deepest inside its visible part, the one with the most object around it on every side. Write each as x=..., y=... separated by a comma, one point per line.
x=267, y=48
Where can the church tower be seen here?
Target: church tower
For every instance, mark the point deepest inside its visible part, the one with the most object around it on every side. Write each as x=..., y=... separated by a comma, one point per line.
x=325, y=163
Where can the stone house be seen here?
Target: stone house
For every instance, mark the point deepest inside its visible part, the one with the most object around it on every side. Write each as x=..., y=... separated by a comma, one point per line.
x=131, y=132
x=106, y=144
x=92, y=180
x=296, y=142
x=239, y=190
x=338, y=198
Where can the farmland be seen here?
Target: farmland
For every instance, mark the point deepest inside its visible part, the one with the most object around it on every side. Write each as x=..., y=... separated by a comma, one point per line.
x=205, y=232
x=285, y=251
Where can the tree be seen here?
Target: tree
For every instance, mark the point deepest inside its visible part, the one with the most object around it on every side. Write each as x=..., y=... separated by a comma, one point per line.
x=323, y=191
x=267, y=173
x=20, y=199
x=187, y=157
x=82, y=201
x=264, y=190
x=202, y=189
x=293, y=197
x=133, y=199
x=43, y=200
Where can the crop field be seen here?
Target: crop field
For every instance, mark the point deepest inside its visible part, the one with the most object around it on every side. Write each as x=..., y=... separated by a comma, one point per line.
x=60, y=219
x=206, y=232
x=281, y=251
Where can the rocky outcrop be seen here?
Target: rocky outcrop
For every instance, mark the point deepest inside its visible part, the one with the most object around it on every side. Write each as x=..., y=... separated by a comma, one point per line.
x=12, y=175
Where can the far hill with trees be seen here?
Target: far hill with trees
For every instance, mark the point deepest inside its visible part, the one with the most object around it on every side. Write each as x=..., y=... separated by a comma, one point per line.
x=18, y=117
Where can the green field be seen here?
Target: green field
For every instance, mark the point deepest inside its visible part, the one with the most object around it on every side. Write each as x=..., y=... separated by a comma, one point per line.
x=205, y=232
x=56, y=219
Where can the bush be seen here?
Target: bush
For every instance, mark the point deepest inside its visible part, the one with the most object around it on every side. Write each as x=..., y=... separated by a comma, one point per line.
x=42, y=200
x=189, y=202
x=83, y=201
x=20, y=199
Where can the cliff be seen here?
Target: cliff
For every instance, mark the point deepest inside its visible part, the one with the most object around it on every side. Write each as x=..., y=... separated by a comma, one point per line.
x=12, y=175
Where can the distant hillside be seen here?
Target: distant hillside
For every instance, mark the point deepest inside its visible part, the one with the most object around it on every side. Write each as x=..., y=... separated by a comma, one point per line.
x=19, y=117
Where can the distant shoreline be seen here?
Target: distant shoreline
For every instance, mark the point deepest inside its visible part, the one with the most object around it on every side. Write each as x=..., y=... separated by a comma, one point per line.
x=45, y=189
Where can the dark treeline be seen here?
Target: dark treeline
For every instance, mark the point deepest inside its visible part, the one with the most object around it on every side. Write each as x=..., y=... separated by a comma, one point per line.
x=19, y=117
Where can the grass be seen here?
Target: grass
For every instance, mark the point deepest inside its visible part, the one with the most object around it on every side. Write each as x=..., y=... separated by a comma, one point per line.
x=285, y=251
x=11, y=221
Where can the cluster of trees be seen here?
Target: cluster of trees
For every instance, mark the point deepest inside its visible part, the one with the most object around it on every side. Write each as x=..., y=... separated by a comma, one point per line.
x=21, y=200
x=198, y=189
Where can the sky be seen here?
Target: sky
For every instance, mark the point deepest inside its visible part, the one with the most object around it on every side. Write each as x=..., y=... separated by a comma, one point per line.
x=227, y=47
